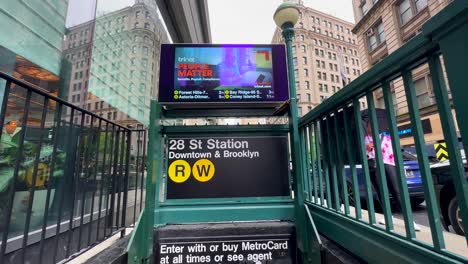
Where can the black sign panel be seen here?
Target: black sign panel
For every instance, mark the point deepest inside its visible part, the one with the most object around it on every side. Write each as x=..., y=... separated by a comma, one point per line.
x=273, y=250
x=271, y=242
x=406, y=130
x=223, y=167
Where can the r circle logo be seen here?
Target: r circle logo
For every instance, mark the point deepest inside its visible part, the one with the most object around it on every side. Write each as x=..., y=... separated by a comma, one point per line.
x=179, y=171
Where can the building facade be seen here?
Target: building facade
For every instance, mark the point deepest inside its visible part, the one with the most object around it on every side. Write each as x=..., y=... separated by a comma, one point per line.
x=383, y=26
x=326, y=56
x=115, y=63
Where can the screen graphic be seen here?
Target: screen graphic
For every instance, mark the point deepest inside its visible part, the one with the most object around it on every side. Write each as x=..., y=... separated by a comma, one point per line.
x=231, y=74
x=226, y=73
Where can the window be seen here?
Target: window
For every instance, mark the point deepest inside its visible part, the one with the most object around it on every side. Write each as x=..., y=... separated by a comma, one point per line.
x=297, y=85
x=308, y=97
x=294, y=50
x=422, y=92
x=404, y=10
x=409, y=8
x=325, y=87
x=295, y=61
x=137, y=14
x=145, y=50
x=147, y=25
x=324, y=76
x=307, y=84
x=306, y=72
x=363, y=7
x=319, y=75
x=147, y=15
x=317, y=63
x=304, y=60
x=296, y=73
x=302, y=38
x=375, y=36
x=303, y=48
x=320, y=87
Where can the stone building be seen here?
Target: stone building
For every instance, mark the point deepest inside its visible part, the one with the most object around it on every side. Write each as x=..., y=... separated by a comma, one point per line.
x=383, y=26
x=326, y=56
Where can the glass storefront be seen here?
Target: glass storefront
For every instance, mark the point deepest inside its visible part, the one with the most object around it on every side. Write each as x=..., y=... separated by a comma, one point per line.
x=99, y=55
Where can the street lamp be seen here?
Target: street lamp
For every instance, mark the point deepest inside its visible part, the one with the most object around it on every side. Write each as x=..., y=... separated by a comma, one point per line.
x=286, y=16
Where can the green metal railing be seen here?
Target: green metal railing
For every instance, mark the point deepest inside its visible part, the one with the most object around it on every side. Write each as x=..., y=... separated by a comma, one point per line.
x=332, y=138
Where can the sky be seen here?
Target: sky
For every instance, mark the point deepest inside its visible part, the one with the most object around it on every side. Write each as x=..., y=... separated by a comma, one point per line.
x=251, y=21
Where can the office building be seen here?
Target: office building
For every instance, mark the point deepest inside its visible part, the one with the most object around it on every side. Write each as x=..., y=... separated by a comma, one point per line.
x=383, y=26
x=325, y=56
x=115, y=70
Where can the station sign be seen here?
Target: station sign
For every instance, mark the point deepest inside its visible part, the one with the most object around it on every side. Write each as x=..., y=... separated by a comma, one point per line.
x=226, y=167
x=231, y=75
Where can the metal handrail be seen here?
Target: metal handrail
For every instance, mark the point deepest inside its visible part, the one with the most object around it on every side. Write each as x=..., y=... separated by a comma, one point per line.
x=329, y=139
x=38, y=90
x=79, y=159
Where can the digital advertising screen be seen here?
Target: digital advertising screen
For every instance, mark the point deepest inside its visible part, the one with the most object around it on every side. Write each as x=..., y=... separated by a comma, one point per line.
x=223, y=74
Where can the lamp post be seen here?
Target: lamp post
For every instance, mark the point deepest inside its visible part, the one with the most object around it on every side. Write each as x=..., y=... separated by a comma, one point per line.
x=286, y=16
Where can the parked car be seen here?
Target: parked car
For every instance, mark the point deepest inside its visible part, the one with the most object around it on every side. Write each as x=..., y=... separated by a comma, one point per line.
x=413, y=180
x=446, y=196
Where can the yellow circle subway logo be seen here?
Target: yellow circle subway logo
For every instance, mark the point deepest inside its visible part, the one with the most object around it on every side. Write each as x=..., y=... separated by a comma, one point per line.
x=179, y=171
x=203, y=170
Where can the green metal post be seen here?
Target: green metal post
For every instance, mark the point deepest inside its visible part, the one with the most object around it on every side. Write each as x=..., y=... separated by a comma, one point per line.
x=298, y=175
x=405, y=201
x=352, y=166
x=453, y=42
x=341, y=168
x=380, y=170
x=319, y=163
x=365, y=164
x=154, y=169
x=426, y=176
